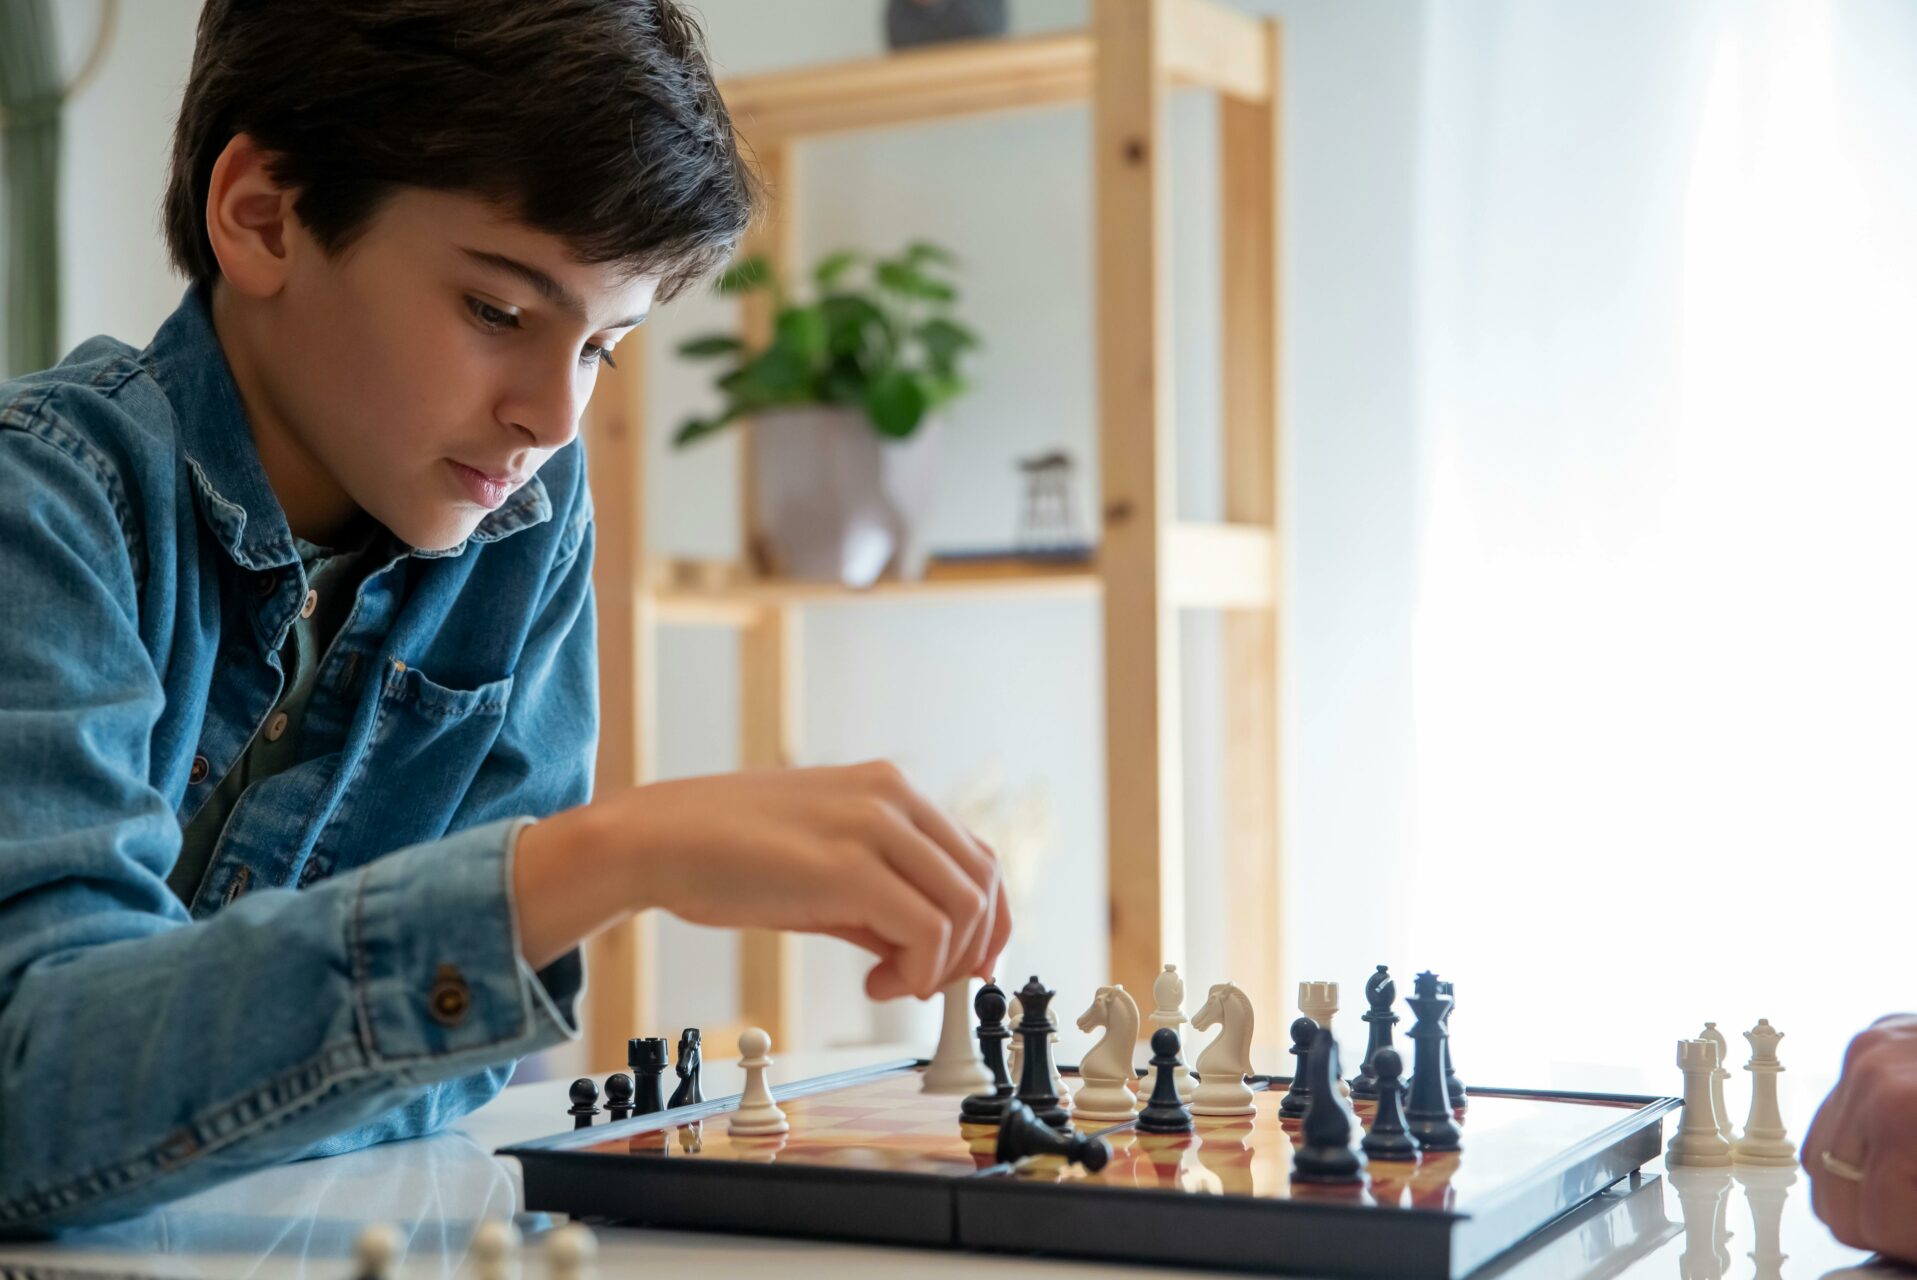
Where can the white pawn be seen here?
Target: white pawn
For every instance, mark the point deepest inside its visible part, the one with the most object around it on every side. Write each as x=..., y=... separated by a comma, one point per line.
x=376, y=1252
x=1015, y=1047
x=1168, y=993
x=756, y=1113
x=1764, y=1142
x=956, y=1065
x=1697, y=1141
x=1719, y=1075
x=571, y=1252
x=1226, y=1061
x=495, y=1248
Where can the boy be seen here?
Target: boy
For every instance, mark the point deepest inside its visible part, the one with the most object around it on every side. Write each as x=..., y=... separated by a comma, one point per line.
x=296, y=656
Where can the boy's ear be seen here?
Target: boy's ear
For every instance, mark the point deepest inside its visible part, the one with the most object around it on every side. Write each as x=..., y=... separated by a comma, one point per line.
x=248, y=219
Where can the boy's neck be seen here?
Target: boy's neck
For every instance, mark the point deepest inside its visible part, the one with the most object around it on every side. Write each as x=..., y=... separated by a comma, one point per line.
x=317, y=508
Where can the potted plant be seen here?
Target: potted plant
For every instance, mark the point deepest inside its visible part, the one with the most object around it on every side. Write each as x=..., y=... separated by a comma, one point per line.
x=846, y=395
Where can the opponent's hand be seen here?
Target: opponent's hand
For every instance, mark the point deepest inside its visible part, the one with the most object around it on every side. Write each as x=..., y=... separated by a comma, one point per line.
x=852, y=852
x=1869, y=1123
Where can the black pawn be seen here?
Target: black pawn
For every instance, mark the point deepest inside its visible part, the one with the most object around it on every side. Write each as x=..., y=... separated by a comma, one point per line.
x=1453, y=1087
x=647, y=1058
x=690, y=1057
x=1021, y=1133
x=1389, y=1139
x=1430, y=1111
x=987, y=1107
x=618, y=1096
x=1035, y=1069
x=1328, y=1154
x=585, y=1102
x=1381, y=992
x=1297, y=1099
x=1165, y=1112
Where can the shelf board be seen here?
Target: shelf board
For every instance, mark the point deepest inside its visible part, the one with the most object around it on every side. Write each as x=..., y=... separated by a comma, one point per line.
x=735, y=600
x=1207, y=45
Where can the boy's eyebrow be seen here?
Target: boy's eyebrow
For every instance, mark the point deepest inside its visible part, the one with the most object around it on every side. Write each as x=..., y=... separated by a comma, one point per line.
x=547, y=287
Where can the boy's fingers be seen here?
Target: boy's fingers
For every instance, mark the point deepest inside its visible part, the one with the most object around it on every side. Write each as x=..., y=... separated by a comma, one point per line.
x=907, y=850
x=902, y=916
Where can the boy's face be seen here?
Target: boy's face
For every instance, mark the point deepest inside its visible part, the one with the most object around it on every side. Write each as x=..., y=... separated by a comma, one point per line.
x=425, y=375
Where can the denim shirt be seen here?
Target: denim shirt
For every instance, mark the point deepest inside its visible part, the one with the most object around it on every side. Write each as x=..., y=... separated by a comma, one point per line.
x=349, y=971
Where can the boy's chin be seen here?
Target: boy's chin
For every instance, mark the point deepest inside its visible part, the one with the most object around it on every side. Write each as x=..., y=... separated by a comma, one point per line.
x=435, y=530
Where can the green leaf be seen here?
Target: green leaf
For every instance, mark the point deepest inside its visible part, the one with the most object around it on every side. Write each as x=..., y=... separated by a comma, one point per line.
x=896, y=403
x=925, y=251
x=801, y=330
x=854, y=325
x=903, y=278
x=695, y=429
x=827, y=273
x=713, y=344
x=944, y=339
x=744, y=276
x=781, y=373
x=941, y=388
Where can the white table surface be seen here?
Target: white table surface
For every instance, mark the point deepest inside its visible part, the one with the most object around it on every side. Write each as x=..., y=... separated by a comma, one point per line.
x=301, y=1220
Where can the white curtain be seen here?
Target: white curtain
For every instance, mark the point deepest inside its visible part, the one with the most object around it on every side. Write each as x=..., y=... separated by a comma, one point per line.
x=1665, y=638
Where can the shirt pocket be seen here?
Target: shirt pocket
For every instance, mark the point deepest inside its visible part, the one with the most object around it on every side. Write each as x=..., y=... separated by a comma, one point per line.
x=427, y=744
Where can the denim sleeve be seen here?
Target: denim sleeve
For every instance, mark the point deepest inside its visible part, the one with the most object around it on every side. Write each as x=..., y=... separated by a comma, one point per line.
x=144, y=1056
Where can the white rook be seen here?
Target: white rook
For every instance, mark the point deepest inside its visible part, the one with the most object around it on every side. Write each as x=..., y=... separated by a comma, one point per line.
x=1697, y=1141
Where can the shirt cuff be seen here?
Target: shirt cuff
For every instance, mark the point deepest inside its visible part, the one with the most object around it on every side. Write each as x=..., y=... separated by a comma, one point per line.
x=437, y=969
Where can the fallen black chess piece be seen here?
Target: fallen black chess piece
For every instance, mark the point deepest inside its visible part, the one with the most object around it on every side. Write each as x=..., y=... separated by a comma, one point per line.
x=1021, y=1133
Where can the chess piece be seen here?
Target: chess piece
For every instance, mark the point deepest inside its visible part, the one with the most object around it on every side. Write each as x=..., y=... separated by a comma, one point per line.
x=1035, y=1088
x=1766, y=1190
x=1697, y=1141
x=1764, y=1142
x=691, y=1058
x=956, y=1066
x=647, y=1058
x=571, y=1252
x=988, y=1107
x=1059, y=1086
x=619, y=1093
x=1453, y=1087
x=585, y=1102
x=1168, y=993
x=1329, y=1154
x=1226, y=1061
x=495, y=1249
x=1165, y=1111
x=1719, y=1074
x=1022, y=1134
x=376, y=1252
x=1297, y=1099
x=1390, y=1137
x=757, y=1113
x=1429, y=1114
x=1015, y=1048
x=1104, y=1098
x=1319, y=1002
x=1381, y=992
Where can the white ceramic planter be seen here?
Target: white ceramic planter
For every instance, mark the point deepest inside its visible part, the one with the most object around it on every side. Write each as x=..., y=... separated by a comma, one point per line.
x=837, y=501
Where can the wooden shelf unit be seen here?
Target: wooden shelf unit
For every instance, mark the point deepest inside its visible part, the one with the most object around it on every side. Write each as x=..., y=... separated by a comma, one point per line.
x=1149, y=564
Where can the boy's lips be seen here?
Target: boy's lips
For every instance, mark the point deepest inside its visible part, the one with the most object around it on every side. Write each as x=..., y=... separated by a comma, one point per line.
x=487, y=488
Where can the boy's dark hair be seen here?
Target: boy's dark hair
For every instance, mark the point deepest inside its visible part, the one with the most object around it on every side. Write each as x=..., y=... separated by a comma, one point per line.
x=593, y=120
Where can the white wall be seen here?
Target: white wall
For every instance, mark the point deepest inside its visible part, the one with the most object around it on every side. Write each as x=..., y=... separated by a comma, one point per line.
x=951, y=689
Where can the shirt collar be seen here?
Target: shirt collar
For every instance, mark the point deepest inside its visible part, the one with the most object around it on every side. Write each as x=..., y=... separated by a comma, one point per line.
x=235, y=498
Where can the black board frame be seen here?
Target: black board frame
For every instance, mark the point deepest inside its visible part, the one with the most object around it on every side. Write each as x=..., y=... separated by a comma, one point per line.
x=991, y=1211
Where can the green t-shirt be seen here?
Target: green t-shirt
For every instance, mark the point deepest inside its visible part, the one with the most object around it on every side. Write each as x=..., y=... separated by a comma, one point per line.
x=333, y=579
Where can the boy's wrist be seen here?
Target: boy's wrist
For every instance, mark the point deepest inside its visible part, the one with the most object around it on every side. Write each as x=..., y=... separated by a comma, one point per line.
x=572, y=878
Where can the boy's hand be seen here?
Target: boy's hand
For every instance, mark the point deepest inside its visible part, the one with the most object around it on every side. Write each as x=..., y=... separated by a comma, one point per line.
x=852, y=852
x=1868, y=1125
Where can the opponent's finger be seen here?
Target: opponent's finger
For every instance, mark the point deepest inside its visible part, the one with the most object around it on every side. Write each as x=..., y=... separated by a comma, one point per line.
x=1884, y=1220
x=1835, y=1201
x=971, y=854
x=926, y=866
x=1834, y=1198
x=1001, y=929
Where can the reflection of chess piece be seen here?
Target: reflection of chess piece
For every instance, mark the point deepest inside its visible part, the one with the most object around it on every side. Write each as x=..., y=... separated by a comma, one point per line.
x=1224, y=1151
x=1389, y=1182
x=653, y=1142
x=692, y=1137
x=1764, y=1142
x=1766, y=1190
x=758, y=1149
x=1431, y=1181
x=1703, y=1195
x=1168, y=994
x=1166, y=1154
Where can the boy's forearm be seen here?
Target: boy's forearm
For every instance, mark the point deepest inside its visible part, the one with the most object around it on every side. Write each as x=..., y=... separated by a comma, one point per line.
x=571, y=879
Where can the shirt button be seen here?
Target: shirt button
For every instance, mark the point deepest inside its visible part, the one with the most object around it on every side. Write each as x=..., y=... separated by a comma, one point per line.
x=312, y=603
x=276, y=727
x=200, y=768
x=451, y=998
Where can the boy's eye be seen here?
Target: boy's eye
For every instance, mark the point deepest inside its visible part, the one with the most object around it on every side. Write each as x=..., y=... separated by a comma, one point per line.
x=592, y=353
x=490, y=316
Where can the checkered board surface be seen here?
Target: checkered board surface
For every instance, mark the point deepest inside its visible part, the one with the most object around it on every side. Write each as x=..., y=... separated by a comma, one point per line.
x=885, y=1123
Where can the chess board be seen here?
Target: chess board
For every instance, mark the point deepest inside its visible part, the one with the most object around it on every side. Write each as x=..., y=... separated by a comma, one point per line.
x=870, y=1157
